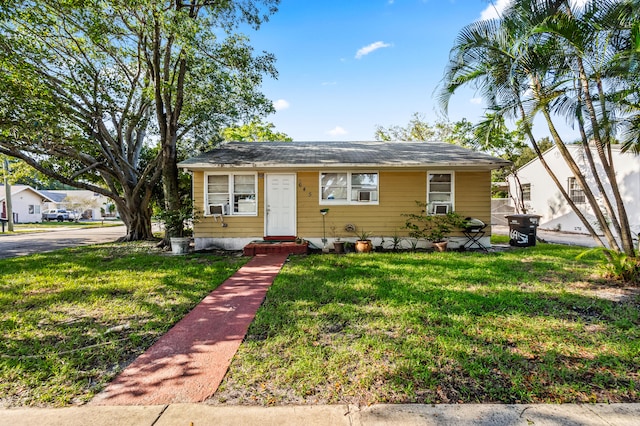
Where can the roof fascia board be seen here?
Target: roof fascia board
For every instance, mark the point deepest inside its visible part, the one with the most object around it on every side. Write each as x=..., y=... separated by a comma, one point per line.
x=443, y=166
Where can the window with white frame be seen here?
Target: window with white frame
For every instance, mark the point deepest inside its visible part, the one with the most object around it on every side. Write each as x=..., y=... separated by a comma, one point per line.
x=440, y=193
x=349, y=187
x=231, y=194
x=526, y=192
x=575, y=191
x=34, y=209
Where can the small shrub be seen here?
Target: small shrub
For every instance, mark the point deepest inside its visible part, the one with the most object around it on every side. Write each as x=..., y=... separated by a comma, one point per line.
x=617, y=265
x=434, y=228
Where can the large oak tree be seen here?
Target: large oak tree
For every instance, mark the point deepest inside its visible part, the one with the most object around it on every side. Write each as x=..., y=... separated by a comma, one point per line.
x=100, y=95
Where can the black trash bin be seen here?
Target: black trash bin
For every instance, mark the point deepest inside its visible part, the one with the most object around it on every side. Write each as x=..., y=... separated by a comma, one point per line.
x=522, y=229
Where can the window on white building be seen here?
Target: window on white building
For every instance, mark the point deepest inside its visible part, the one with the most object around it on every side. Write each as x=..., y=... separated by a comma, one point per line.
x=575, y=192
x=526, y=192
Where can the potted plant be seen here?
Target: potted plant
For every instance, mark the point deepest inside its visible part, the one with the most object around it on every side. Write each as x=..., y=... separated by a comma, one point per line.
x=176, y=229
x=363, y=242
x=433, y=228
x=338, y=244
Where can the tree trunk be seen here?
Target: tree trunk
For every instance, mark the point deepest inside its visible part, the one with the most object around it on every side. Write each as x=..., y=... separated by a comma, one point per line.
x=136, y=215
x=172, y=202
x=519, y=201
x=608, y=166
x=138, y=226
x=577, y=173
x=553, y=176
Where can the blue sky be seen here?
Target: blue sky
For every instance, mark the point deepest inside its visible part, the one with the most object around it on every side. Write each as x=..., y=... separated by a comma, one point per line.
x=346, y=66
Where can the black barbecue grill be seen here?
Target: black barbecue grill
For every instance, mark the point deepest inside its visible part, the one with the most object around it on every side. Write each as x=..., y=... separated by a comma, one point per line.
x=474, y=230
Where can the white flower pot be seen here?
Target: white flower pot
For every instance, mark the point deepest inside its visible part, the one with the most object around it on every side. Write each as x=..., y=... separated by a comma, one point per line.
x=180, y=245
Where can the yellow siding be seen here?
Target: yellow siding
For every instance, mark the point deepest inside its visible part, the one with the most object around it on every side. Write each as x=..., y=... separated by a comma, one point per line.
x=399, y=192
x=473, y=195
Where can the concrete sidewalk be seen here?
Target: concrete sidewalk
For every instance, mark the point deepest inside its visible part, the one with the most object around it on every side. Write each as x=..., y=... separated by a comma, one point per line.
x=309, y=415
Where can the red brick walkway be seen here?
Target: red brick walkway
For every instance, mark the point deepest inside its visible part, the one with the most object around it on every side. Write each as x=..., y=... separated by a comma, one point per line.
x=188, y=363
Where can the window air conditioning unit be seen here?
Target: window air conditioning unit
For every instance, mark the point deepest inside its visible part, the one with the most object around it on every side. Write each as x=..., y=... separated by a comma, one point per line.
x=441, y=208
x=216, y=209
x=364, y=195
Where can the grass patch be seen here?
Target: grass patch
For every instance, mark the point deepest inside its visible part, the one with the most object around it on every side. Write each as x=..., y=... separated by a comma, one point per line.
x=57, y=225
x=71, y=319
x=499, y=239
x=521, y=326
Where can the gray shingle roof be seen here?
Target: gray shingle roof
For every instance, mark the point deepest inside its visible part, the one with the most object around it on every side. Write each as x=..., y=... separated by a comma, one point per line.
x=54, y=196
x=341, y=154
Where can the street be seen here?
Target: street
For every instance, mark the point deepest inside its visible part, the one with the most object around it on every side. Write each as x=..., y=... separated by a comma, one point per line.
x=29, y=243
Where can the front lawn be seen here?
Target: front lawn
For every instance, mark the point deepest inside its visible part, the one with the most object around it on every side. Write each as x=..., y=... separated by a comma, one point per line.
x=521, y=326
x=71, y=319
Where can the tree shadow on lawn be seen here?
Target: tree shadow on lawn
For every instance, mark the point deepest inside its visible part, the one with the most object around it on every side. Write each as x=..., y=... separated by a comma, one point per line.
x=71, y=319
x=451, y=328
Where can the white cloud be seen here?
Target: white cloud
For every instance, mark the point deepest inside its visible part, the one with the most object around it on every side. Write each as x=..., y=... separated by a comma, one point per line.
x=337, y=131
x=476, y=101
x=280, y=104
x=329, y=83
x=370, y=48
x=496, y=8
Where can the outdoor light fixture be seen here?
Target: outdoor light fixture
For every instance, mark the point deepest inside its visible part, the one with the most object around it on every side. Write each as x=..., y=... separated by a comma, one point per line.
x=324, y=212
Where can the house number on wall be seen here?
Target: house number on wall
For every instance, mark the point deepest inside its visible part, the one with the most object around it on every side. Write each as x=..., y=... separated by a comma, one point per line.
x=304, y=188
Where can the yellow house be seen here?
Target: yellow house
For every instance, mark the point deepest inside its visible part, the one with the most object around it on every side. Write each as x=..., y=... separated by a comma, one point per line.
x=278, y=190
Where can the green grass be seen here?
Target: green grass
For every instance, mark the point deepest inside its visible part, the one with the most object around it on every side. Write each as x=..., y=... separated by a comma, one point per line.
x=522, y=326
x=71, y=319
x=525, y=325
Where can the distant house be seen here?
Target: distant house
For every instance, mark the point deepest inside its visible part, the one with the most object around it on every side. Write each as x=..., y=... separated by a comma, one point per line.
x=89, y=204
x=27, y=203
x=249, y=191
x=541, y=196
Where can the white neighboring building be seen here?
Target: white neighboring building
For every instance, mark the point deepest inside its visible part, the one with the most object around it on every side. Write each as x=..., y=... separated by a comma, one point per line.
x=87, y=203
x=542, y=197
x=27, y=204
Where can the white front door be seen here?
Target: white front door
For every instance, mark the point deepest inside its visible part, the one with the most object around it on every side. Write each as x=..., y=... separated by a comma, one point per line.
x=280, y=205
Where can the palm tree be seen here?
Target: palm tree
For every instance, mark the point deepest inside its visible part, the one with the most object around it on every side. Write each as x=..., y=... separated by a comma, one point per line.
x=624, y=70
x=587, y=46
x=550, y=57
x=487, y=54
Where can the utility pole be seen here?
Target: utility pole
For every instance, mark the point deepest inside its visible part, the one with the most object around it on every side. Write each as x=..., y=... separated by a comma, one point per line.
x=7, y=198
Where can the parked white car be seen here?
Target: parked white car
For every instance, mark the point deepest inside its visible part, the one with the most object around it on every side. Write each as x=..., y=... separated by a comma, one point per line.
x=60, y=215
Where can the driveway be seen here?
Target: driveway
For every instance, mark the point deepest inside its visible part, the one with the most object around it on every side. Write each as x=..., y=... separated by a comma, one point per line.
x=29, y=243
x=554, y=237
